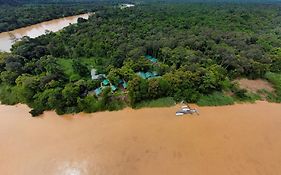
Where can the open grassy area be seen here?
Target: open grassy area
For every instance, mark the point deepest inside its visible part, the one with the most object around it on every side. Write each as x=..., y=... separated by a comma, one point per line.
x=215, y=99
x=66, y=65
x=89, y=62
x=275, y=80
x=161, y=102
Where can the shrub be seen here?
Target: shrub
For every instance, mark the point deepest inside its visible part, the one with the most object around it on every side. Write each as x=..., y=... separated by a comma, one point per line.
x=275, y=80
x=115, y=104
x=241, y=93
x=161, y=102
x=215, y=99
x=187, y=95
x=36, y=112
x=8, y=95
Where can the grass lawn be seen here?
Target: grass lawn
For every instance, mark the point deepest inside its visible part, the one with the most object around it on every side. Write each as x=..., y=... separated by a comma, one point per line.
x=215, y=99
x=66, y=65
x=89, y=62
x=161, y=102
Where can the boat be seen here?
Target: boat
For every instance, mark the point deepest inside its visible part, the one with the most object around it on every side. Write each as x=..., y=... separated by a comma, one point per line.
x=186, y=110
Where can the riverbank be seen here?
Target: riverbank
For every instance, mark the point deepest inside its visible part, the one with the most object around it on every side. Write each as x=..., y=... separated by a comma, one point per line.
x=7, y=38
x=238, y=139
x=22, y=15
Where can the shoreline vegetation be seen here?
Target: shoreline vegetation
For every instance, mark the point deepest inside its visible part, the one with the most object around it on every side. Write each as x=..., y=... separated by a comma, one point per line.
x=214, y=99
x=167, y=53
x=149, y=105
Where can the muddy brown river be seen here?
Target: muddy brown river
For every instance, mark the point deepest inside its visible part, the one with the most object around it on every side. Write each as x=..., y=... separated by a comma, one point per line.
x=242, y=139
x=7, y=38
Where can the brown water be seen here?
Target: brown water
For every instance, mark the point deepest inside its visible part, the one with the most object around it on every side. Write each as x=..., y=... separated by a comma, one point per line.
x=7, y=38
x=243, y=139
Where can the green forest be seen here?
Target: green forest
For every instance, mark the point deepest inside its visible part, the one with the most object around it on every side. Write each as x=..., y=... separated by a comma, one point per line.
x=133, y=56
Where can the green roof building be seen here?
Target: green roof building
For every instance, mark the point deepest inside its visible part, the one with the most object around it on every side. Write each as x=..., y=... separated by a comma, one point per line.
x=155, y=74
x=113, y=88
x=120, y=81
x=98, y=91
x=142, y=75
x=151, y=58
x=125, y=85
x=105, y=82
x=148, y=75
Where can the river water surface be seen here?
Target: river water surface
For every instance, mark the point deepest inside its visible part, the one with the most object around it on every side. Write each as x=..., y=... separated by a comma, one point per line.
x=242, y=139
x=7, y=38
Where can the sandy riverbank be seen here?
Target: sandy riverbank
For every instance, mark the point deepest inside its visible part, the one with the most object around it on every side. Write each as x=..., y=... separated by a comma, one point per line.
x=243, y=139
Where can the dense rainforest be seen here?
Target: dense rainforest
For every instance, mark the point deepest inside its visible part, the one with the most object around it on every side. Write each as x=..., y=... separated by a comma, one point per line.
x=16, y=16
x=194, y=51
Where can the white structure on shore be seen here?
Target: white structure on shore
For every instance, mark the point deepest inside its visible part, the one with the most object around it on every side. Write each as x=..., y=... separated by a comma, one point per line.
x=96, y=76
x=123, y=6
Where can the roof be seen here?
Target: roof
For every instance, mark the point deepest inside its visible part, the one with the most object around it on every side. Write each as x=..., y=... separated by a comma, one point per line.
x=93, y=72
x=148, y=75
x=154, y=60
x=155, y=73
x=105, y=82
x=151, y=58
x=120, y=81
x=148, y=56
x=96, y=76
x=142, y=75
x=98, y=91
x=125, y=85
x=113, y=88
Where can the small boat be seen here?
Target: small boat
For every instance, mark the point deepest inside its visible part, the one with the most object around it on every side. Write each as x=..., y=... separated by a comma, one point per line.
x=179, y=113
x=186, y=110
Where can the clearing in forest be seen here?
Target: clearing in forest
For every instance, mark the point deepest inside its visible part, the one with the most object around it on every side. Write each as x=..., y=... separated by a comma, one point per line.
x=255, y=85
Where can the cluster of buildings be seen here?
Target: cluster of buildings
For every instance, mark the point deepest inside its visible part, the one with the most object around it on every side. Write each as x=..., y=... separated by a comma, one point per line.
x=122, y=84
x=106, y=83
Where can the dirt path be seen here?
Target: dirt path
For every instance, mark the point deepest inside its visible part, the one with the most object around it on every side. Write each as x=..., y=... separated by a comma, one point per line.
x=243, y=139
